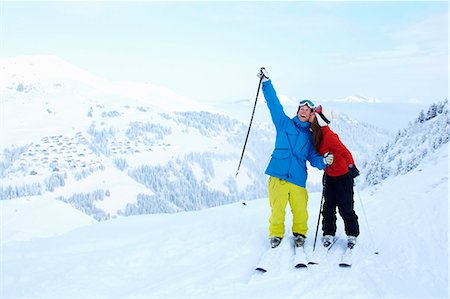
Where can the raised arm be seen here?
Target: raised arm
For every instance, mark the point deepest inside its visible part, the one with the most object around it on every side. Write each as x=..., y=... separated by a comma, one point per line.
x=275, y=107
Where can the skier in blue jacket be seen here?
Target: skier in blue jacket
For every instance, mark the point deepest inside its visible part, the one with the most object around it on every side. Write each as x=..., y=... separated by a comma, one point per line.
x=287, y=166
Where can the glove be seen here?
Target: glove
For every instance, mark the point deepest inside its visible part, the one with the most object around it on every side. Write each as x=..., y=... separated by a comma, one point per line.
x=263, y=75
x=328, y=158
x=354, y=172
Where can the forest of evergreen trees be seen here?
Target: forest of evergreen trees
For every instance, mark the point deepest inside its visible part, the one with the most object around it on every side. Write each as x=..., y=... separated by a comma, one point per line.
x=411, y=145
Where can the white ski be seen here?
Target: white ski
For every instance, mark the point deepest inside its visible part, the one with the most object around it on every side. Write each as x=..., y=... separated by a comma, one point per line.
x=321, y=253
x=300, y=259
x=347, y=258
x=271, y=258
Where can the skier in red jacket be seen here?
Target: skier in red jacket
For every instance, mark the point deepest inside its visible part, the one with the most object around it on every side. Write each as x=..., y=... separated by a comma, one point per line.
x=338, y=180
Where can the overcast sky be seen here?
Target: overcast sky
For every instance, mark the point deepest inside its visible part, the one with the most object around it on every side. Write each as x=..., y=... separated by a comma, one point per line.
x=210, y=51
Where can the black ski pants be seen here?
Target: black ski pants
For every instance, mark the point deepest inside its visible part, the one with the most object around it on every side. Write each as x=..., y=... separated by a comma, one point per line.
x=339, y=193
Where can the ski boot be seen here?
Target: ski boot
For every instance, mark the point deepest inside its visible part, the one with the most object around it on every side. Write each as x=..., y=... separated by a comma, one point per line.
x=275, y=241
x=351, y=242
x=328, y=240
x=299, y=240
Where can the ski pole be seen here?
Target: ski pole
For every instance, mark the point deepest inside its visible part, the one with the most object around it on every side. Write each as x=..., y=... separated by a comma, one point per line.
x=367, y=222
x=320, y=210
x=250, y=125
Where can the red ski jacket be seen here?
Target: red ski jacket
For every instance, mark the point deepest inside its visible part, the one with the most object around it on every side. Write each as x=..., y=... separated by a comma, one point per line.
x=342, y=156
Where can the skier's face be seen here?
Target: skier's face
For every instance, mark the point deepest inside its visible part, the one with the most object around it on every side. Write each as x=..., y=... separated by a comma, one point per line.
x=304, y=113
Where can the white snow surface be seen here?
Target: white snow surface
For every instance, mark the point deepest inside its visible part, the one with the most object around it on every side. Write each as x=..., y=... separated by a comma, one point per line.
x=32, y=217
x=212, y=253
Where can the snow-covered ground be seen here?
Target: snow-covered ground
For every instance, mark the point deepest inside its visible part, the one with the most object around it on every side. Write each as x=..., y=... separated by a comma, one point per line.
x=212, y=253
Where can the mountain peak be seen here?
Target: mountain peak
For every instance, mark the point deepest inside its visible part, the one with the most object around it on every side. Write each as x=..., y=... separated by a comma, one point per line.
x=358, y=99
x=48, y=74
x=44, y=71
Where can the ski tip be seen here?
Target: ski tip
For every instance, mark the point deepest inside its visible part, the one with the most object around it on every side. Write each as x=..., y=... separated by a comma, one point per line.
x=301, y=266
x=261, y=270
x=344, y=265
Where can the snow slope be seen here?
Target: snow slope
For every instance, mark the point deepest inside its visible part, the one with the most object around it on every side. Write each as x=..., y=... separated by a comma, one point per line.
x=211, y=253
x=38, y=217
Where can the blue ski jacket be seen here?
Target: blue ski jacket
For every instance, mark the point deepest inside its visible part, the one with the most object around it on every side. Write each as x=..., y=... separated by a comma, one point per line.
x=293, y=143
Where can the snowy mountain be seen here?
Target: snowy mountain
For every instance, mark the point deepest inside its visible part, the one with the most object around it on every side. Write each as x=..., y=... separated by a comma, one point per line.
x=430, y=131
x=359, y=99
x=123, y=148
x=119, y=148
x=47, y=76
x=212, y=253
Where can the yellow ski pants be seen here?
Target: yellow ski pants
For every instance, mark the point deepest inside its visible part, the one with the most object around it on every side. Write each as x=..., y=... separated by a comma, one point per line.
x=280, y=193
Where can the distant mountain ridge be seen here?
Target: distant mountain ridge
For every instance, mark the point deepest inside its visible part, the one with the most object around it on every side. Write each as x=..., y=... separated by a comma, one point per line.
x=358, y=99
x=47, y=74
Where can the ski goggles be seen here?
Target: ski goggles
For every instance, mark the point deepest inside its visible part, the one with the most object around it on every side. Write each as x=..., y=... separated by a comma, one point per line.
x=307, y=103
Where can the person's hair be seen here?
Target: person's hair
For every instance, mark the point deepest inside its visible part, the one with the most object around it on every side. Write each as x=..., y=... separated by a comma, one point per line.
x=316, y=133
